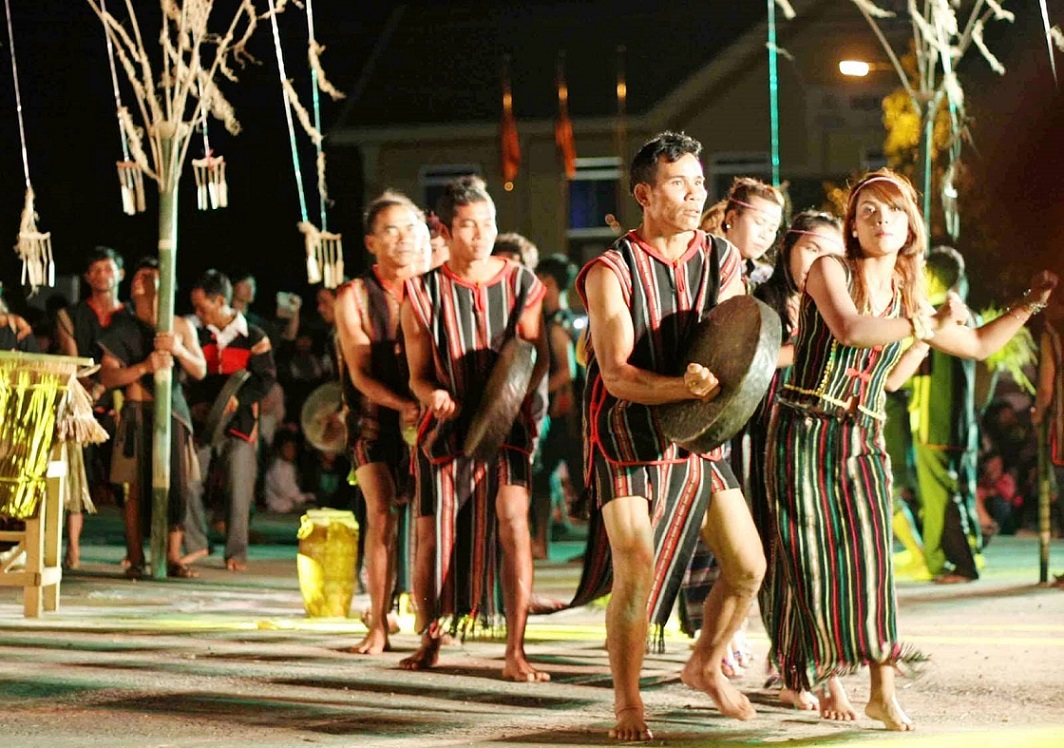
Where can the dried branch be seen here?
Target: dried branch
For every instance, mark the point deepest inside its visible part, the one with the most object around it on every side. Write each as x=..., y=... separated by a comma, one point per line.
x=135, y=139
x=302, y=113
x=977, y=38
x=786, y=9
x=314, y=55
x=869, y=8
x=322, y=189
x=1000, y=14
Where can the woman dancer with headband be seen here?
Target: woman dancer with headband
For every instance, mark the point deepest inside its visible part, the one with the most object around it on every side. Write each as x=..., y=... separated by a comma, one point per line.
x=811, y=235
x=828, y=471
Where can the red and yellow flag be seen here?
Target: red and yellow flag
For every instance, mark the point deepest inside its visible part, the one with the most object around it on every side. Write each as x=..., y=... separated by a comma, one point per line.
x=563, y=126
x=509, y=145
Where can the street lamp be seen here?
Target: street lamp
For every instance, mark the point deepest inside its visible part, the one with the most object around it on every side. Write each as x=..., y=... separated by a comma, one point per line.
x=860, y=68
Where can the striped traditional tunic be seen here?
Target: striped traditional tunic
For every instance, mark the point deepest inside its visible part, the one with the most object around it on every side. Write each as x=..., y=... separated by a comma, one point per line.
x=625, y=450
x=829, y=484
x=467, y=324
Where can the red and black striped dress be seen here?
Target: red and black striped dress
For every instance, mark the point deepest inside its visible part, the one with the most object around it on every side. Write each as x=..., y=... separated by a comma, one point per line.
x=829, y=486
x=626, y=453
x=467, y=324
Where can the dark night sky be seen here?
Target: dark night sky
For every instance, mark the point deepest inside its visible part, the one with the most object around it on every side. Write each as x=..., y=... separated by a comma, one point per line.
x=73, y=136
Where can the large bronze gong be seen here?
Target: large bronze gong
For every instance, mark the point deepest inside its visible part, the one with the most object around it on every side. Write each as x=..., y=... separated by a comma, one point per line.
x=218, y=420
x=739, y=341
x=501, y=400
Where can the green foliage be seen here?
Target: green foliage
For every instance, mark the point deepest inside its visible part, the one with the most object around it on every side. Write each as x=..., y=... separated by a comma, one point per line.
x=1015, y=355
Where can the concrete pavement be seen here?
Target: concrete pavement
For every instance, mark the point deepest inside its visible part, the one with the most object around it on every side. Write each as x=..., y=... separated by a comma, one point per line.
x=231, y=660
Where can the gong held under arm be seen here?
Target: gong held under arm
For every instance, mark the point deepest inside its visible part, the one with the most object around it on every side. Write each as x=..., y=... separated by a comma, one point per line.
x=613, y=338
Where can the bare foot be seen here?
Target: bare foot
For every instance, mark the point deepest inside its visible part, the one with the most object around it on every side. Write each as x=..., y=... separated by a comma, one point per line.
x=426, y=656
x=835, y=704
x=890, y=714
x=375, y=642
x=540, y=605
x=729, y=700
x=190, y=558
x=393, y=621
x=952, y=578
x=233, y=564
x=72, y=562
x=803, y=700
x=517, y=668
x=631, y=725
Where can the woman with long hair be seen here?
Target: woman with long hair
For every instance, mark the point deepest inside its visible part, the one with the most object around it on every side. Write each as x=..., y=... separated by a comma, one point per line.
x=811, y=235
x=829, y=474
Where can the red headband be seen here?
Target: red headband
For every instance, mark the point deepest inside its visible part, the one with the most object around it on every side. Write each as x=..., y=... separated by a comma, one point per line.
x=853, y=194
x=819, y=236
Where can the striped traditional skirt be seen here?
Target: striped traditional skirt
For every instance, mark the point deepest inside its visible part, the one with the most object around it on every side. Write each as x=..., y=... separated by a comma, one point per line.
x=829, y=488
x=460, y=495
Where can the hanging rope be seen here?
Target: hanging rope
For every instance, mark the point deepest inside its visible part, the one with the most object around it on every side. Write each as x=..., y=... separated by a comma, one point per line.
x=322, y=192
x=324, y=250
x=130, y=175
x=34, y=247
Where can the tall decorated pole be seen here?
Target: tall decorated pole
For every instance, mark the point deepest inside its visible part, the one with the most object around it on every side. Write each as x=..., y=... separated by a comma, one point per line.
x=773, y=95
x=172, y=102
x=168, y=138
x=942, y=33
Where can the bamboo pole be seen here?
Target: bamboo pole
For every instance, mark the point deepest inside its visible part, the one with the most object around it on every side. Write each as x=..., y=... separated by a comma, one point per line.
x=773, y=95
x=169, y=138
x=1044, y=527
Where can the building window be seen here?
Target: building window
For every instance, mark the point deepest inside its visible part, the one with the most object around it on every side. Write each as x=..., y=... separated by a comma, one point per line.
x=593, y=196
x=872, y=159
x=725, y=167
x=433, y=179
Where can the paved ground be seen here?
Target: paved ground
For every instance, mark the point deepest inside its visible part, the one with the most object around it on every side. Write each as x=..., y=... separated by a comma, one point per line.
x=231, y=660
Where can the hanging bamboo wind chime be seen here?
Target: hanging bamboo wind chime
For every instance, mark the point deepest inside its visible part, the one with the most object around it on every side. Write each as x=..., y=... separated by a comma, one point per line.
x=130, y=175
x=324, y=249
x=34, y=247
x=212, y=191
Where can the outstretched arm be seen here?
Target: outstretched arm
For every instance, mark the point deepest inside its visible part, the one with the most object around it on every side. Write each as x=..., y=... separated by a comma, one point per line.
x=826, y=284
x=980, y=342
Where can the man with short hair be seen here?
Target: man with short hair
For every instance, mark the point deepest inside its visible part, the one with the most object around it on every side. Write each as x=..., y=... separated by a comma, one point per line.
x=78, y=332
x=945, y=435
x=373, y=361
x=15, y=332
x=561, y=442
x=455, y=320
x=229, y=345
x=132, y=353
x=644, y=297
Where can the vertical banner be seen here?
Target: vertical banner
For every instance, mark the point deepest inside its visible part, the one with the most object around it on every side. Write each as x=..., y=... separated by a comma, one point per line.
x=563, y=127
x=509, y=146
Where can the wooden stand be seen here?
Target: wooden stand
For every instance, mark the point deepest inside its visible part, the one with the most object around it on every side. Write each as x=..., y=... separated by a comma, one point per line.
x=41, y=540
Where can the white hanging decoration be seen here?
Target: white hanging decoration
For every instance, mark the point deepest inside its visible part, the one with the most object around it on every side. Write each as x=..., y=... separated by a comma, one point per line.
x=212, y=191
x=34, y=247
x=131, y=182
x=325, y=255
